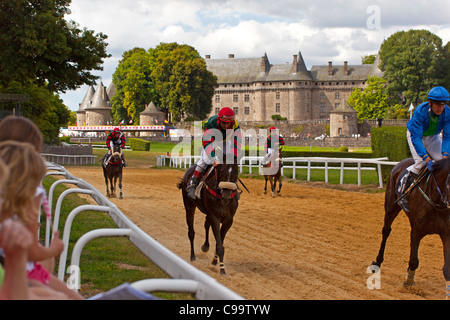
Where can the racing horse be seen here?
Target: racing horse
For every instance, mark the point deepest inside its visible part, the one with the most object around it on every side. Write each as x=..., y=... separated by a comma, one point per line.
x=272, y=172
x=218, y=200
x=113, y=171
x=429, y=213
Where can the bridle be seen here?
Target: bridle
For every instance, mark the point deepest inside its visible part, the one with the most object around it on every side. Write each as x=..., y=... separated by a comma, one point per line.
x=444, y=196
x=217, y=191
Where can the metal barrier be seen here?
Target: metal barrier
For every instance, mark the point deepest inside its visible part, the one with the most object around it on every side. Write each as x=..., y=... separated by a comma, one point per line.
x=184, y=276
x=255, y=162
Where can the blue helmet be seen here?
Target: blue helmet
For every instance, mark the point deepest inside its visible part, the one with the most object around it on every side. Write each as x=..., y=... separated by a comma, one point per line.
x=438, y=94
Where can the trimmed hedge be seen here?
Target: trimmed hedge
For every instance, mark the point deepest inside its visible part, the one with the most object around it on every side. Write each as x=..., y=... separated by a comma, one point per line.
x=139, y=144
x=390, y=142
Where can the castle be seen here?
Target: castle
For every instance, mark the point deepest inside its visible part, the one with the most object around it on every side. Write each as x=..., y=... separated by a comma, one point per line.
x=256, y=90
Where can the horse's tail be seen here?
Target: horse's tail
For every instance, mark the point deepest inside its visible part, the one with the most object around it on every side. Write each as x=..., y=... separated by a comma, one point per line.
x=180, y=184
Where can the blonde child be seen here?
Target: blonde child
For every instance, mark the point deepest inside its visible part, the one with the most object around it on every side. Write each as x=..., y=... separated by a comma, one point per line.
x=26, y=171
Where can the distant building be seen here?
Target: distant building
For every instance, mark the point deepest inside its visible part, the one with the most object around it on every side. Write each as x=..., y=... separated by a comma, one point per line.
x=256, y=90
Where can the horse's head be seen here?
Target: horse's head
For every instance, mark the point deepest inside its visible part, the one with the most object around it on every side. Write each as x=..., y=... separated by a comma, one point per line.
x=116, y=156
x=441, y=172
x=227, y=176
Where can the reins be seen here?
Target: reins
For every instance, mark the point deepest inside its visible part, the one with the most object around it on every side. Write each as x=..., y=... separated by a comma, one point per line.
x=445, y=203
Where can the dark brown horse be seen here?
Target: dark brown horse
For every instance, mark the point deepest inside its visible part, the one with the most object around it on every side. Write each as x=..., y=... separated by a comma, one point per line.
x=429, y=213
x=272, y=172
x=113, y=171
x=218, y=201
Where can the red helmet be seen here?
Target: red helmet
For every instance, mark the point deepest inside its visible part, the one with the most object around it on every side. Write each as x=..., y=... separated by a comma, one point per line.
x=116, y=130
x=226, y=115
x=272, y=128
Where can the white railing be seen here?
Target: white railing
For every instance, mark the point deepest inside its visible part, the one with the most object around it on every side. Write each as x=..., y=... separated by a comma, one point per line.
x=297, y=163
x=184, y=276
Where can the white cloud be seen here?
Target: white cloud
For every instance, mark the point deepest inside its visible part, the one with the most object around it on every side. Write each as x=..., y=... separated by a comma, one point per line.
x=322, y=30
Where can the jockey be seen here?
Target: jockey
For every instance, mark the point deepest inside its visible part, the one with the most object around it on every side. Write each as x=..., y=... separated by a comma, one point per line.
x=428, y=121
x=116, y=137
x=224, y=127
x=273, y=141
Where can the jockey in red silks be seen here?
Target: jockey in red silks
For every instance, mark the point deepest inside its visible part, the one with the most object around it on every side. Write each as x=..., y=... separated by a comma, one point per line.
x=116, y=137
x=218, y=129
x=273, y=142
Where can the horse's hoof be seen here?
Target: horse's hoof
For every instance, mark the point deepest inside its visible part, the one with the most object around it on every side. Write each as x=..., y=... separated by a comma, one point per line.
x=222, y=272
x=205, y=248
x=193, y=258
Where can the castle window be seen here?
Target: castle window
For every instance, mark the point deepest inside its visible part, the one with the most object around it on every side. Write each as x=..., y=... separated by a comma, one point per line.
x=278, y=95
x=323, y=108
x=337, y=95
x=247, y=97
x=278, y=107
x=216, y=110
x=247, y=111
x=236, y=111
x=217, y=98
x=235, y=98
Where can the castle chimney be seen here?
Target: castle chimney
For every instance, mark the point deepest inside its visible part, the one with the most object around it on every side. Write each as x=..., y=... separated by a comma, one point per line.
x=230, y=56
x=345, y=68
x=295, y=64
x=208, y=56
x=330, y=68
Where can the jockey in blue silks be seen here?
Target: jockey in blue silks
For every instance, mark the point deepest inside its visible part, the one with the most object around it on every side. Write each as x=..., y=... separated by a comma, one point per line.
x=423, y=135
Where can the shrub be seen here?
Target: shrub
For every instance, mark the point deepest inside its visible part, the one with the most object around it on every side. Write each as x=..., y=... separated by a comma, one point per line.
x=390, y=142
x=343, y=149
x=139, y=144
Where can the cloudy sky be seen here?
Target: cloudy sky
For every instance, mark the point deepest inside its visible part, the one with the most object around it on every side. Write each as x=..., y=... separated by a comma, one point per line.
x=322, y=30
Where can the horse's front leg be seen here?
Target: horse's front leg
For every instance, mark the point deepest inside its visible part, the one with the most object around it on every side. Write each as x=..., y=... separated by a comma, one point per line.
x=120, y=186
x=413, y=258
x=107, y=188
x=272, y=186
x=191, y=232
x=205, y=246
x=220, y=250
x=265, y=186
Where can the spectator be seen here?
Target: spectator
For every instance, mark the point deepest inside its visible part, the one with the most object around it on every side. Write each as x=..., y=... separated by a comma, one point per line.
x=26, y=171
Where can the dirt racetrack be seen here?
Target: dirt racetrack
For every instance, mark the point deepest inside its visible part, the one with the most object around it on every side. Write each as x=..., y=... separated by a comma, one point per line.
x=310, y=242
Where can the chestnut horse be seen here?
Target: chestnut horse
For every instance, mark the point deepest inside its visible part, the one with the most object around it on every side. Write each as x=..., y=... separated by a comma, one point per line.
x=113, y=171
x=429, y=213
x=272, y=172
x=218, y=201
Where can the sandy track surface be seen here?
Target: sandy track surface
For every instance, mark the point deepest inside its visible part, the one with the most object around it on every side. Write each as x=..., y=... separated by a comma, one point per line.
x=308, y=243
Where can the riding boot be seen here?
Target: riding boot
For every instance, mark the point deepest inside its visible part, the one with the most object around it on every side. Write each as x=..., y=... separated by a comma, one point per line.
x=105, y=160
x=404, y=202
x=192, y=186
x=123, y=162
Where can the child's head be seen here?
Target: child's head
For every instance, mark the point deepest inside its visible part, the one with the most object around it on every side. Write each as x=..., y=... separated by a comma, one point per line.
x=21, y=129
x=26, y=171
x=4, y=174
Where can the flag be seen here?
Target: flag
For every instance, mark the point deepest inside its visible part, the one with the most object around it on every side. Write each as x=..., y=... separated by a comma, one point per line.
x=123, y=121
x=131, y=121
x=165, y=121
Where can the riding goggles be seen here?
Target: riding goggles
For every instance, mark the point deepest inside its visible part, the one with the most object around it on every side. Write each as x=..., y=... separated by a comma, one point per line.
x=226, y=119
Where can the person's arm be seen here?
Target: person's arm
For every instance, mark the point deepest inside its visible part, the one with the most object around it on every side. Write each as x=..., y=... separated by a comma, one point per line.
x=15, y=240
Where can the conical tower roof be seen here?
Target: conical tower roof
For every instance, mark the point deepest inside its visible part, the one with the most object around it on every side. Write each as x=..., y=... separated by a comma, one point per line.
x=151, y=109
x=344, y=107
x=87, y=98
x=100, y=99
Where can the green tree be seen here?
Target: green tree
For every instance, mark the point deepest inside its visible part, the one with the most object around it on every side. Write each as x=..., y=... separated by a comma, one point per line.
x=173, y=76
x=369, y=59
x=372, y=102
x=39, y=44
x=182, y=81
x=134, y=85
x=446, y=82
x=44, y=108
x=413, y=62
